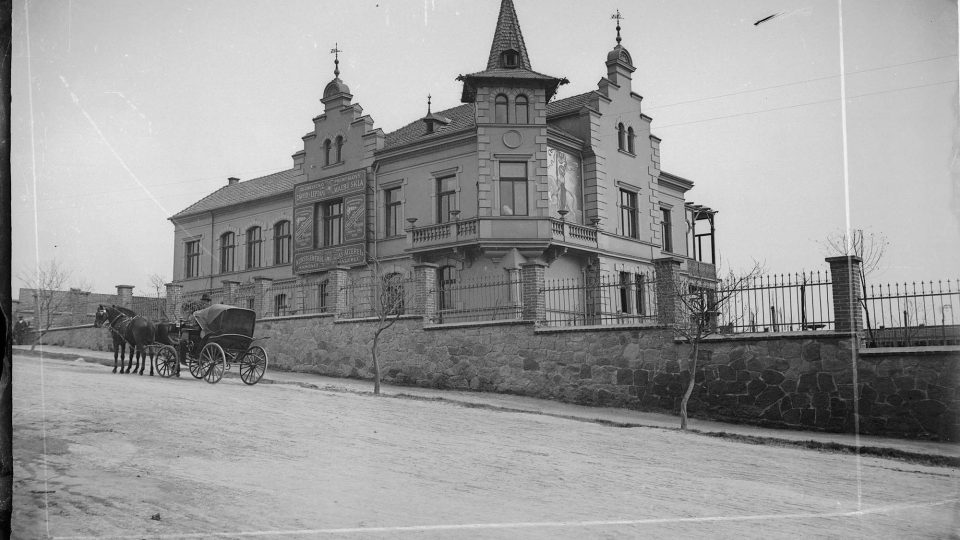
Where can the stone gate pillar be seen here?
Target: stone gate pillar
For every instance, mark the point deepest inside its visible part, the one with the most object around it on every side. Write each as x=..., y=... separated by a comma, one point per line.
x=230, y=290
x=125, y=295
x=425, y=299
x=667, y=274
x=845, y=276
x=260, y=302
x=534, y=306
x=337, y=289
x=174, y=301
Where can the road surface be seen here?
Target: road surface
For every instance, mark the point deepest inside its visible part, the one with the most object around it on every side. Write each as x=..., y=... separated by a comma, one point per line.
x=122, y=456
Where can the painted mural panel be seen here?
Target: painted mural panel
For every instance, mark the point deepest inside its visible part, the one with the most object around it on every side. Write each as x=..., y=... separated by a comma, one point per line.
x=566, y=184
x=348, y=188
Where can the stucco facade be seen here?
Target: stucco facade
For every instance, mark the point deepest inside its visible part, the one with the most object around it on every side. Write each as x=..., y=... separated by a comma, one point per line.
x=510, y=177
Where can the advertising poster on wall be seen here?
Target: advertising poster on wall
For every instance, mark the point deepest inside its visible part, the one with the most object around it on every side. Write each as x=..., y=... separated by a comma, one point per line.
x=310, y=198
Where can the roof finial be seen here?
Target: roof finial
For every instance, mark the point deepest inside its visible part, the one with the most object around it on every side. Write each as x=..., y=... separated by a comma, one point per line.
x=618, y=17
x=428, y=103
x=336, y=59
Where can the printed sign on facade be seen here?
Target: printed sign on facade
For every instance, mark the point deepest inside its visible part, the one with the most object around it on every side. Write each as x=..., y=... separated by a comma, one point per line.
x=310, y=255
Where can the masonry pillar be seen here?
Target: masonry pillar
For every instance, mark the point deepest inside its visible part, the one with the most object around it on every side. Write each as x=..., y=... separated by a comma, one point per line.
x=337, y=287
x=260, y=303
x=845, y=276
x=667, y=274
x=125, y=295
x=425, y=300
x=534, y=306
x=230, y=290
x=174, y=301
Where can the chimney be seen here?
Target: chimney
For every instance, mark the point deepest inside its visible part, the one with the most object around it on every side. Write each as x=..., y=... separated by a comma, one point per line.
x=231, y=181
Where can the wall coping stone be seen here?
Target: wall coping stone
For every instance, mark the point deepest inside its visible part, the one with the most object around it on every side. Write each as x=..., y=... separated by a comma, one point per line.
x=294, y=317
x=376, y=319
x=597, y=327
x=754, y=336
x=62, y=328
x=476, y=324
x=929, y=349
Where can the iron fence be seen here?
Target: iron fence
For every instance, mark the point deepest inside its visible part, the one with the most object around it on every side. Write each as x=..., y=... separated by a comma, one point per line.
x=777, y=303
x=912, y=314
x=375, y=296
x=485, y=299
x=622, y=298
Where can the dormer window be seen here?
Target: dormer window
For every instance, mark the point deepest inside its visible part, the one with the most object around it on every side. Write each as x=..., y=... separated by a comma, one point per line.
x=510, y=59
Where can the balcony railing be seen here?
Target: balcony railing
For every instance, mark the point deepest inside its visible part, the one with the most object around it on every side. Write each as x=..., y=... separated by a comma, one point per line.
x=498, y=228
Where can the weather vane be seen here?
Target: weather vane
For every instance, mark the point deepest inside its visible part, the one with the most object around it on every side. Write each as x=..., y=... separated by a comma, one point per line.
x=428, y=103
x=335, y=51
x=619, y=18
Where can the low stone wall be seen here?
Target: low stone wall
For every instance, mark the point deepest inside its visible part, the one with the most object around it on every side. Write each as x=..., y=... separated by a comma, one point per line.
x=803, y=380
x=82, y=337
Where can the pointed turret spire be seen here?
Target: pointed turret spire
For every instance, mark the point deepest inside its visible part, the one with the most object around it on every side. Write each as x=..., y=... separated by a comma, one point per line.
x=507, y=38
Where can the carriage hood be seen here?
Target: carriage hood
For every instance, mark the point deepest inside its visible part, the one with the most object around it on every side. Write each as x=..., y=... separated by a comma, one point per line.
x=224, y=319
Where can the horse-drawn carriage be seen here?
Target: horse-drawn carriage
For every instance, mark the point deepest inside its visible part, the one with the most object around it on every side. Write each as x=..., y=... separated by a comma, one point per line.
x=218, y=337
x=222, y=337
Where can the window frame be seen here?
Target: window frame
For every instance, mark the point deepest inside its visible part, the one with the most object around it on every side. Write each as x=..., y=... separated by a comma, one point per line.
x=449, y=196
x=325, y=220
x=630, y=140
x=191, y=258
x=327, y=147
x=392, y=212
x=254, y=247
x=621, y=137
x=525, y=117
x=666, y=229
x=629, y=213
x=514, y=182
x=282, y=240
x=446, y=275
x=339, y=144
x=228, y=252
x=280, y=309
x=501, y=109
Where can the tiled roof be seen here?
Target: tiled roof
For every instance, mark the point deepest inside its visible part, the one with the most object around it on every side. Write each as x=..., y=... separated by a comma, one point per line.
x=257, y=188
x=505, y=73
x=461, y=117
x=570, y=104
x=507, y=36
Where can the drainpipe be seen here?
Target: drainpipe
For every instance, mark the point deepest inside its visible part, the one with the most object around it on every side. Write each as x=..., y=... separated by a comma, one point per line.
x=212, y=249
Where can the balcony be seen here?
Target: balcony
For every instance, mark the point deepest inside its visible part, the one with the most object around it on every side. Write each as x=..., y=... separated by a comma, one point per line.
x=501, y=232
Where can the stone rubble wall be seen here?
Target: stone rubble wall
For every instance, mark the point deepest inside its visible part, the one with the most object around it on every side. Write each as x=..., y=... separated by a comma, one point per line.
x=803, y=380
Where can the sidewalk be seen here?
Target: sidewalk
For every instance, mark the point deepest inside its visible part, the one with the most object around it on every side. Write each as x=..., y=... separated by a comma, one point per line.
x=541, y=406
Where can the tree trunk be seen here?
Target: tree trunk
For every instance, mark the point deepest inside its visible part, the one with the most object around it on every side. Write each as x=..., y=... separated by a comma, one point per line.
x=692, y=369
x=376, y=363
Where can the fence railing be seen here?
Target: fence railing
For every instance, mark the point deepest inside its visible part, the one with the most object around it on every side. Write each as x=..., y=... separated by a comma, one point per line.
x=778, y=303
x=490, y=299
x=624, y=298
x=918, y=313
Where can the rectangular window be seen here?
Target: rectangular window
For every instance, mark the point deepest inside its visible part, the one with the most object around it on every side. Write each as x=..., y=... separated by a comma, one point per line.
x=279, y=305
x=628, y=213
x=191, y=259
x=513, y=189
x=446, y=198
x=329, y=221
x=392, y=212
x=446, y=280
x=323, y=297
x=227, y=248
x=666, y=228
x=639, y=283
x=281, y=243
x=250, y=303
x=624, y=292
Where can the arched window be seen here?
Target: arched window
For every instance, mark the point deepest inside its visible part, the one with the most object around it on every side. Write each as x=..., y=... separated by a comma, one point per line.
x=521, y=107
x=326, y=152
x=630, y=137
x=339, y=148
x=500, y=114
x=621, y=137
x=254, y=245
x=281, y=242
x=228, y=247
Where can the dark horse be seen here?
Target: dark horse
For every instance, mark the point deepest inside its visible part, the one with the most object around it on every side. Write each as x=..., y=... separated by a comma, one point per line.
x=126, y=327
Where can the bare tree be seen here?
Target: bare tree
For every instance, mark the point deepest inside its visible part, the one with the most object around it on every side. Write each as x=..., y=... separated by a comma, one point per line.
x=870, y=248
x=698, y=303
x=159, y=283
x=389, y=298
x=47, y=282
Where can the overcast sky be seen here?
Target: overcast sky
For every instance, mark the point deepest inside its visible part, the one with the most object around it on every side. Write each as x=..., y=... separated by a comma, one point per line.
x=128, y=111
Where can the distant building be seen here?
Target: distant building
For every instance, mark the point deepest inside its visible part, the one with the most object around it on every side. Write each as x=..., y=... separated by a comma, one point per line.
x=508, y=178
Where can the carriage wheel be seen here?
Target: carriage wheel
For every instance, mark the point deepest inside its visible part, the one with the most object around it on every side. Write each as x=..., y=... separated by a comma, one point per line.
x=253, y=365
x=213, y=362
x=167, y=361
x=194, y=365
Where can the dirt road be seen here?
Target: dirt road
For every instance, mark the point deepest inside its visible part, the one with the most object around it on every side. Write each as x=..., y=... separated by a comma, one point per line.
x=103, y=455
